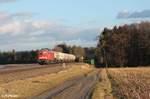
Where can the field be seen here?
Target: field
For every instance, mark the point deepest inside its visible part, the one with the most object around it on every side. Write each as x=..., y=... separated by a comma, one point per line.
x=130, y=83
x=123, y=83
x=74, y=81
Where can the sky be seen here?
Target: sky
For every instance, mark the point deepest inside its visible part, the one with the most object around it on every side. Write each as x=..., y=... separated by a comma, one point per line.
x=36, y=24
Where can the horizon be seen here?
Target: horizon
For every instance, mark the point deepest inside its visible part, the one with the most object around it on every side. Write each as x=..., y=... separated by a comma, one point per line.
x=36, y=24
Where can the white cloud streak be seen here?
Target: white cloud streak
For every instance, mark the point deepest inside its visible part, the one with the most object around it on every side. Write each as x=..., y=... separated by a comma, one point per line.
x=137, y=14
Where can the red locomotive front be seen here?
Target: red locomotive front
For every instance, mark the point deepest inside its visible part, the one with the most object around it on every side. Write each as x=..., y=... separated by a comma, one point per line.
x=45, y=56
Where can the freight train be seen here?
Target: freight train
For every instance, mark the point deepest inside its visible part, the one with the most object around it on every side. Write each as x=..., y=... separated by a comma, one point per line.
x=46, y=56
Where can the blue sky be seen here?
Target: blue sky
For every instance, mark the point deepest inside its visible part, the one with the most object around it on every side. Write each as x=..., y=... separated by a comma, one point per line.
x=34, y=24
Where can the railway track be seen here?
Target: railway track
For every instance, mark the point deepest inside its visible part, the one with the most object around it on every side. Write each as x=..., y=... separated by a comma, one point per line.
x=77, y=88
x=26, y=67
x=8, y=75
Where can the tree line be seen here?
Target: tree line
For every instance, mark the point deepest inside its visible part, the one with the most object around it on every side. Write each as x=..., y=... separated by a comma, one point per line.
x=16, y=57
x=12, y=57
x=127, y=45
x=86, y=53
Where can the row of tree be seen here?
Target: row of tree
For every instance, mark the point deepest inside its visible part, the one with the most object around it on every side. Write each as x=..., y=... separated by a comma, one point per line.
x=31, y=56
x=78, y=51
x=12, y=57
x=127, y=45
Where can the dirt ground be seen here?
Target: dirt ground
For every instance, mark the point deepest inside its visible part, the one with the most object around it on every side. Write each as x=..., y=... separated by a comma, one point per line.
x=32, y=86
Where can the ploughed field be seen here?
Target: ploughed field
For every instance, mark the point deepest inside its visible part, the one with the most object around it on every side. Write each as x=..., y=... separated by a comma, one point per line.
x=130, y=83
x=73, y=81
x=123, y=83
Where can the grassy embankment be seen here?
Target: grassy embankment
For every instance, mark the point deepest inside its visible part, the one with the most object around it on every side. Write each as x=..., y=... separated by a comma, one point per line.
x=22, y=89
x=103, y=87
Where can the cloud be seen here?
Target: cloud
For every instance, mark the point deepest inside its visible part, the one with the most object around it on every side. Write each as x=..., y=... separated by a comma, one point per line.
x=123, y=14
x=7, y=1
x=138, y=14
x=23, y=14
x=19, y=46
x=24, y=34
x=19, y=27
x=5, y=17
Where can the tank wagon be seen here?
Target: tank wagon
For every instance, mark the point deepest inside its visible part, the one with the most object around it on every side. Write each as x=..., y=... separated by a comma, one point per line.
x=46, y=56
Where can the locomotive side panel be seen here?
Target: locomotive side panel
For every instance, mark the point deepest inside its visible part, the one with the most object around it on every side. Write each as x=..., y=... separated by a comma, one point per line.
x=46, y=56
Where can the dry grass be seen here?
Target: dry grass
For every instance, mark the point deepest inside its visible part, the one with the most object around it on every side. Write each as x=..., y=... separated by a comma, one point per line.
x=130, y=83
x=103, y=87
x=34, y=86
x=5, y=78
